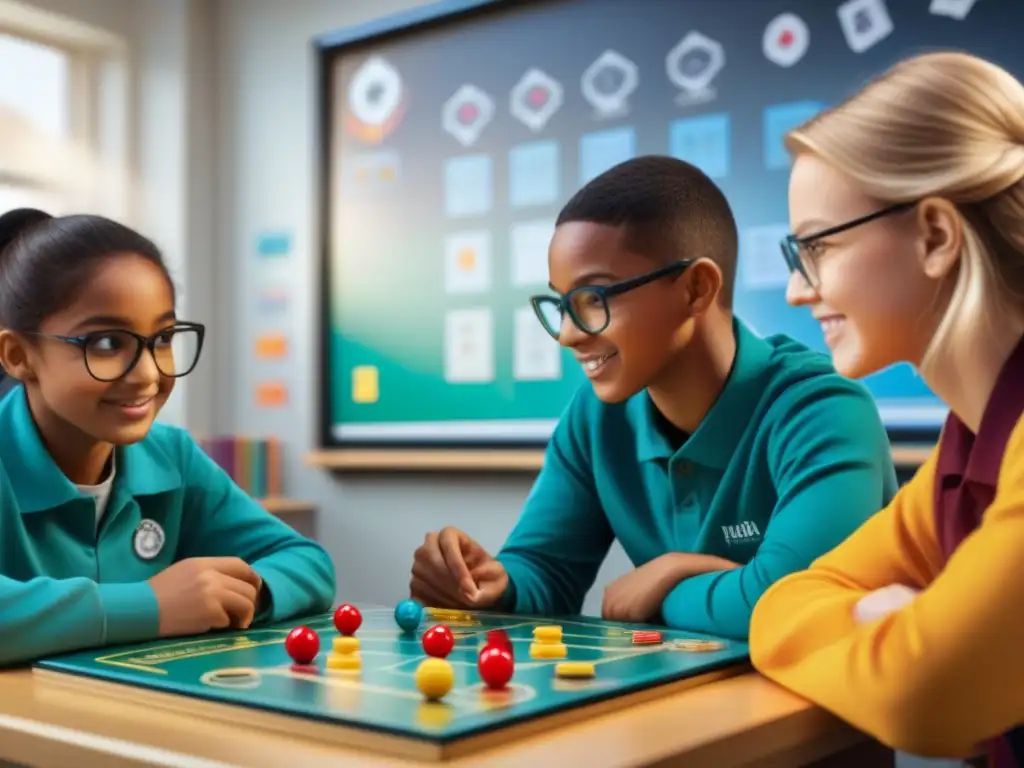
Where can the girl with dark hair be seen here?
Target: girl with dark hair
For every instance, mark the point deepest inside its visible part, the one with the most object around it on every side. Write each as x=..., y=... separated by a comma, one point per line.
x=116, y=529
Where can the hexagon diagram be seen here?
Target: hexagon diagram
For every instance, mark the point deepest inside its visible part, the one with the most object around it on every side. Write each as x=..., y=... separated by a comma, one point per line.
x=785, y=39
x=535, y=99
x=694, y=62
x=466, y=113
x=375, y=91
x=608, y=83
x=954, y=9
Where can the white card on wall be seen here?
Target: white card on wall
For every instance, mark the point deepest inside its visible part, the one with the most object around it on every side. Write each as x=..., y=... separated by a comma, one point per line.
x=528, y=246
x=535, y=356
x=469, y=346
x=467, y=262
x=762, y=265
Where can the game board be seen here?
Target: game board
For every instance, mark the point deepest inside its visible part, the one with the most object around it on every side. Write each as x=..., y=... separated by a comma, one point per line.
x=380, y=706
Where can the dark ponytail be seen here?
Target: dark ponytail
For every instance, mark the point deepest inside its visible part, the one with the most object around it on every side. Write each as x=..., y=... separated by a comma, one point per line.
x=45, y=261
x=13, y=225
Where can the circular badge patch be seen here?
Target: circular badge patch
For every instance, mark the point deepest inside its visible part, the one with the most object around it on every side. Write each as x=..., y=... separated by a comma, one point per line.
x=148, y=539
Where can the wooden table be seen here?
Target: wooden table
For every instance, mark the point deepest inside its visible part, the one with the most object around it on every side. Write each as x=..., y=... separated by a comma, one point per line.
x=740, y=721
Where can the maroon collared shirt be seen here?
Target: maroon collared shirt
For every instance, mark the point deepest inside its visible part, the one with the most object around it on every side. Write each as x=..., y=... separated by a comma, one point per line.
x=967, y=473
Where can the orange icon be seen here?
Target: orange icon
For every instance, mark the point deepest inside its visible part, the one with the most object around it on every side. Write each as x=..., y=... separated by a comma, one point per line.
x=467, y=259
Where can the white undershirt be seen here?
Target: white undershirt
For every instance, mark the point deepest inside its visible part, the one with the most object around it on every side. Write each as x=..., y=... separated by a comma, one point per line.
x=101, y=492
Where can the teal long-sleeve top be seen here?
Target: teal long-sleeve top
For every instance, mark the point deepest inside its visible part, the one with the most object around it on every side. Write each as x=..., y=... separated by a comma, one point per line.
x=790, y=460
x=68, y=581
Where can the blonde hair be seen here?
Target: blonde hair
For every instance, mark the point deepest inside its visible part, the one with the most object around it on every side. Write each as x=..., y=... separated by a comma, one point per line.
x=946, y=125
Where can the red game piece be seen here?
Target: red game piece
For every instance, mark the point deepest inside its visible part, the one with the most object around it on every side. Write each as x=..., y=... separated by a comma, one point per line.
x=347, y=619
x=302, y=644
x=646, y=638
x=499, y=637
x=438, y=641
x=495, y=665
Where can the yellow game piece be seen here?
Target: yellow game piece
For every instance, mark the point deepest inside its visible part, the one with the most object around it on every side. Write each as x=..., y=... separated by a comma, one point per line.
x=548, y=650
x=575, y=670
x=549, y=634
x=448, y=614
x=434, y=678
x=343, y=644
x=434, y=714
x=344, y=661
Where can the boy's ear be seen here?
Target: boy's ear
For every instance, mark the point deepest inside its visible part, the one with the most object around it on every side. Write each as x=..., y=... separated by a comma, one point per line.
x=14, y=358
x=703, y=281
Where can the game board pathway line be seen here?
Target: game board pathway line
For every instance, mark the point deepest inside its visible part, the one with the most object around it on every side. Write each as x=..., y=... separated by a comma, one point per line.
x=518, y=621
x=398, y=668
x=338, y=681
x=557, y=622
x=155, y=666
x=204, y=641
x=463, y=704
x=543, y=622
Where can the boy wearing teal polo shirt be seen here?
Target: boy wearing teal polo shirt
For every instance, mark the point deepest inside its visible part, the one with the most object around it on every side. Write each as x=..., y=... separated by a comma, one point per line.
x=720, y=461
x=114, y=529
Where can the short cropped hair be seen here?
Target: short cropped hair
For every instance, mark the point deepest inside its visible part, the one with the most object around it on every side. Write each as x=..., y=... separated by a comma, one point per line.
x=667, y=209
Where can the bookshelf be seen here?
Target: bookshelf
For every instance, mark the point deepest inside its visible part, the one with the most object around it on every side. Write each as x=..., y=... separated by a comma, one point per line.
x=904, y=455
x=278, y=505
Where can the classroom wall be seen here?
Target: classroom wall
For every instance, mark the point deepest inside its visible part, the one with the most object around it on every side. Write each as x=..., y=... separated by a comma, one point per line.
x=222, y=134
x=170, y=128
x=372, y=525
x=267, y=150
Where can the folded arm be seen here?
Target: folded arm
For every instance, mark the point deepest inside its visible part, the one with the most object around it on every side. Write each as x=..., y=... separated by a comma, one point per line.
x=224, y=521
x=941, y=674
x=44, y=617
x=831, y=467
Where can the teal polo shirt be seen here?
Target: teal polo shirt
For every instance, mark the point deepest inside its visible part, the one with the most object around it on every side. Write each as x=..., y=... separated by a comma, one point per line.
x=67, y=583
x=790, y=460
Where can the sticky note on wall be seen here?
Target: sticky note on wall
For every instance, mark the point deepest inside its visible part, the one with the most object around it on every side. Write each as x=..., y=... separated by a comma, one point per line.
x=273, y=245
x=271, y=394
x=271, y=346
x=365, y=384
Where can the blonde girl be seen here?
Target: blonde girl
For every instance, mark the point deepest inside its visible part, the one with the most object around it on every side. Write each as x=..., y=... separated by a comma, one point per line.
x=907, y=245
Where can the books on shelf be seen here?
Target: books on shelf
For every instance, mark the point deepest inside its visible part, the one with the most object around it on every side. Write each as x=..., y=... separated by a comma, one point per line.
x=253, y=463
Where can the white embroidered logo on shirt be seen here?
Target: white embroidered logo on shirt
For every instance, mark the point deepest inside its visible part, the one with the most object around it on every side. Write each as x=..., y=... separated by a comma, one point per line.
x=742, y=533
x=148, y=539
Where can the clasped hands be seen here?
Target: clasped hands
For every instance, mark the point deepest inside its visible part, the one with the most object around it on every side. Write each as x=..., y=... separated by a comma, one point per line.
x=882, y=602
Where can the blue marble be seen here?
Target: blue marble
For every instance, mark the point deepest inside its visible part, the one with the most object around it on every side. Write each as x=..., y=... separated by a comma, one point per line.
x=408, y=615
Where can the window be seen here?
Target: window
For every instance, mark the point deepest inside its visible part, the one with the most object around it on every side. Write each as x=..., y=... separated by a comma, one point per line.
x=38, y=94
x=63, y=113
x=24, y=196
x=34, y=120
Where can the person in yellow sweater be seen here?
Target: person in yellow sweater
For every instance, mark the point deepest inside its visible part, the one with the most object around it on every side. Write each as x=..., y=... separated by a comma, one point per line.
x=907, y=209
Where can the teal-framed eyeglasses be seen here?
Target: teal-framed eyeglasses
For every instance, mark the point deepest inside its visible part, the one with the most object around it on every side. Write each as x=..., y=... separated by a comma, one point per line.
x=801, y=253
x=112, y=354
x=587, y=305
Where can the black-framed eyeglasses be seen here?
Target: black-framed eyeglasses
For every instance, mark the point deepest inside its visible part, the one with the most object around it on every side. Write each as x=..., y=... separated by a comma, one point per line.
x=112, y=354
x=587, y=305
x=800, y=252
